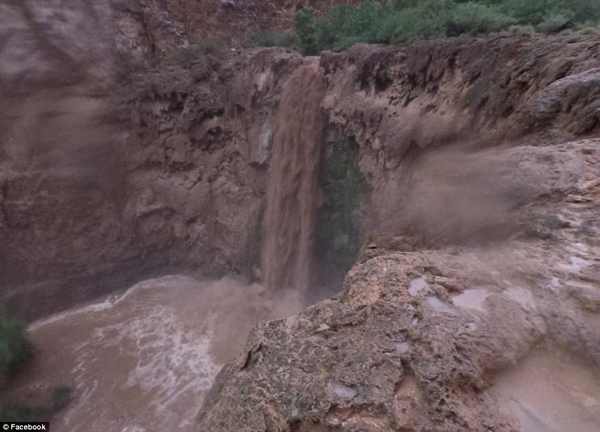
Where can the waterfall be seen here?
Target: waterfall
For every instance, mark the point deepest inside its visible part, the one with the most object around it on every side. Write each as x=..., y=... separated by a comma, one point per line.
x=292, y=191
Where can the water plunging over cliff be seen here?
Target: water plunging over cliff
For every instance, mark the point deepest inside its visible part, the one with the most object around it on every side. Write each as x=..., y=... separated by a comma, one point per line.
x=293, y=182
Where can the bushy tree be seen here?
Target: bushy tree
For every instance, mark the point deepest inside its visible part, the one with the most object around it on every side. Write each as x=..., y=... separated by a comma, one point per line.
x=15, y=350
x=532, y=12
x=306, y=30
x=474, y=18
x=404, y=4
x=404, y=20
x=556, y=22
x=410, y=25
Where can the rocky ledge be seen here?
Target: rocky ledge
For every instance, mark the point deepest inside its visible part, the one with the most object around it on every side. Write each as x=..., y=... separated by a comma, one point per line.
x=424, y=340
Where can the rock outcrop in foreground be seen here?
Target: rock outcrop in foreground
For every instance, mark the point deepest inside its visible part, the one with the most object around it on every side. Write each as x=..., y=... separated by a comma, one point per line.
x=421, y=340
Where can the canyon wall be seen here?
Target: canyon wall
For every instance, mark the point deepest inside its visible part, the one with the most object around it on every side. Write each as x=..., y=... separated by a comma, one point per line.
x=398, y=101
x=114, y=171
x=165, y=172
x=111, y=171
x=458, y=178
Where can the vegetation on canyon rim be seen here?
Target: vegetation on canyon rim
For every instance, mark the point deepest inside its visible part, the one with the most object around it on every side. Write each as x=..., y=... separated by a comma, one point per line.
x=404, y=20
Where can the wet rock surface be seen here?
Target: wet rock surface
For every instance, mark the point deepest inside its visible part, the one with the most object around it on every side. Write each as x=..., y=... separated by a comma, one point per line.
x=426, y=340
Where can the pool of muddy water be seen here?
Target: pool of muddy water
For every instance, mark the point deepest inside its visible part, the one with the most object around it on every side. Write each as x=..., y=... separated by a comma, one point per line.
x=142, y=360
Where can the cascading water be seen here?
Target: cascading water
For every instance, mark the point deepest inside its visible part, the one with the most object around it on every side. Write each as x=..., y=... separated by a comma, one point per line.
x=142, y=360
x=293, y=181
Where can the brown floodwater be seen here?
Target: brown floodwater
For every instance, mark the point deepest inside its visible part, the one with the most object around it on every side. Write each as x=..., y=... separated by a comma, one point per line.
x=143, y=360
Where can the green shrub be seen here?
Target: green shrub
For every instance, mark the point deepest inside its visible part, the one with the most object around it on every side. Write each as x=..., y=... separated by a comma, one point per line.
x=363, y=21
x=15, y=348
x=343, y=26
x=410, y=25
x=404, y=4
x=332, y=25
x=530, y=12
x=474, y=18
x=536, y=12
x=187, y=55
x=405, y=20
x=210, y=45
x=305, y=26
x=583, y=10
x=556, y=22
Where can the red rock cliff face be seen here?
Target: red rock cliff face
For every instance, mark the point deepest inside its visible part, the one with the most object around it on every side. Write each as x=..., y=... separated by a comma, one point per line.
x=103, y=187
x=233, y=20
x=398, y=101
x=107, y=177
x=104, y=178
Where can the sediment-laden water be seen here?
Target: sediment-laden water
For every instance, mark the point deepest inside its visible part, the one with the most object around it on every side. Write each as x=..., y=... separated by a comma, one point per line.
x=142, y=360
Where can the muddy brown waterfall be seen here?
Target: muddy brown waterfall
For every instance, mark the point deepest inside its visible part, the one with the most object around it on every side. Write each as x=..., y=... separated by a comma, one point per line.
x=292, y=189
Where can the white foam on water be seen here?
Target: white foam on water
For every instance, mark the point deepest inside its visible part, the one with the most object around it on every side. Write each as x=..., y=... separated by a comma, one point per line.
x=170, y=361
x=110, y=301
x=96, y=307
x=136, y=362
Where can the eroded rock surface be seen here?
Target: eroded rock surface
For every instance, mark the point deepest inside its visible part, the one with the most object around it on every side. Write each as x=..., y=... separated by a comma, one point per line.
x=479, y=255
x=417, y=340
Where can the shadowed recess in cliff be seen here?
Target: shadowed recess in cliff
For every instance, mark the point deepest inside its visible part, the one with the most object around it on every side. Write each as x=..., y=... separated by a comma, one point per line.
x=293, y=181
